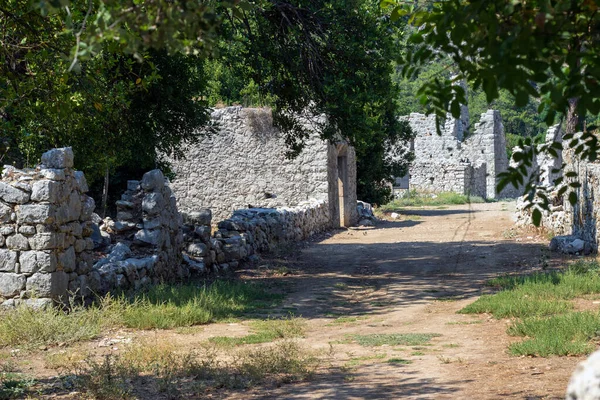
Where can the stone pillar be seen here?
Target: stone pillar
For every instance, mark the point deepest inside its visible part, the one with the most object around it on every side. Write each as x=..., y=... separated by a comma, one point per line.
x=45, y=230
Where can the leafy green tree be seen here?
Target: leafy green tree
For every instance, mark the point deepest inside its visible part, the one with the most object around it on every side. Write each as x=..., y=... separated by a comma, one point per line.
x=539, y=49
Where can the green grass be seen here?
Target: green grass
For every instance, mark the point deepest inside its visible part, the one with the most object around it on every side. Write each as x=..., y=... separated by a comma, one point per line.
x=347, y=320
x=541, y=303
x=563, y=335
x=265, y=331
x=160, y=307
x=414, y=199
x=393, y=339
x=399, y=361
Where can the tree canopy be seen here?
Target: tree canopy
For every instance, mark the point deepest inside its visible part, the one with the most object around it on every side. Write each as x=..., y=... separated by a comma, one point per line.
x=540, y=49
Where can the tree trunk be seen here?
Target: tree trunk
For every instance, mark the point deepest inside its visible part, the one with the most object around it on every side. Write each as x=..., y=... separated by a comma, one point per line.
x=105, y=194
x=573, y=121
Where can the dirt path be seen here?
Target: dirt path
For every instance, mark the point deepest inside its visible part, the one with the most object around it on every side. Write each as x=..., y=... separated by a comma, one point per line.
x=412, y=276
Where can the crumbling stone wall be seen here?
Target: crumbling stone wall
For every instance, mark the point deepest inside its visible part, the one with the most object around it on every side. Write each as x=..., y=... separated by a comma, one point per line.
x=45, y=229
x=244, y=165
x=447, y=162
x=148, y=238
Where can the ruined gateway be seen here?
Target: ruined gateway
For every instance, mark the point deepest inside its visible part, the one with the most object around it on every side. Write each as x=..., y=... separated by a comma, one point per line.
x=53, y=246
x=458, y=161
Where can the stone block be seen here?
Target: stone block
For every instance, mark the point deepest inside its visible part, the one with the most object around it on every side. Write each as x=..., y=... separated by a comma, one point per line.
x=47, y=241
x=133, y=185
x=148, y=237
x=67, y=260
x=8, y=260
x=54, y=174
x=5, y=213
x=36, y=214
x=153, y=180
x=81, y=181
x=11, y=284
x=7, y=230
x=58, y=158
x=80, y=245
x=53, y=285
x=37, y=261
x=87, y=207
x=153, y=203
x=197, y=249
x=27, y=230
x=17, y=242
x=13, y=195
x=46, y=190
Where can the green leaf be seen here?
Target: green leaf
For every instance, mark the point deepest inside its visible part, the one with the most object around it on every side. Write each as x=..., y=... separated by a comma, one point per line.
x=536, y=217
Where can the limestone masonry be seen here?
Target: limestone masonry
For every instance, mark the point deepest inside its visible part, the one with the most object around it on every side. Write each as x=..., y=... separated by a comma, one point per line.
x=53, y=246
x=244, y=165
x=450, y=162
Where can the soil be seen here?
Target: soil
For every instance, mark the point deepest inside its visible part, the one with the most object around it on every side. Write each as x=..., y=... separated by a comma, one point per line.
x=409, y=275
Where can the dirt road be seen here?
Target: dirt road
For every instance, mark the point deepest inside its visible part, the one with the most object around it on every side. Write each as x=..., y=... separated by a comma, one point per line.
x=412, y=276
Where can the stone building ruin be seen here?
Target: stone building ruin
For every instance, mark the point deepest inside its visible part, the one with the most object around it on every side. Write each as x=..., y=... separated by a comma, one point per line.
x=244, y=165
x=456, y=161
x=54, y=248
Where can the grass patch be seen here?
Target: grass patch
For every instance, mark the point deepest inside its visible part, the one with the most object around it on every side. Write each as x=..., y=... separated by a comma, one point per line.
x=563, y=335
x=159, y=368
x=399, y=361
x=414, y=199
x=13, y=385
x=160, y=307
x=477, y=321
x=347, y=320
x=541, y=301
x=265, y=331
x=394, y=339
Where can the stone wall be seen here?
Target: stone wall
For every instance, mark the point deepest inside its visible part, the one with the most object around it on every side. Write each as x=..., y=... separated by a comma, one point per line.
x=244, y=165
x=45, y=230
x=447, y=162
x=48, y=231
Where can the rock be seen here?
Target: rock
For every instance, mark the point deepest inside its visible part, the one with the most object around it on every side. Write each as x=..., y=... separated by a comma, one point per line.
x=37, y=261
x=11, y=284
x=153, y=203
x=46, y=241
x=394, y=215
x=5, y=213
x=7, y=230
x=8, y=260
x=200, y=217
x=27, y=230
x=567, y=244
x=13, y=195
x=148, y=237
x=153, y=180
x=133, y=185
x=123, y=226
x=54, y=174
x=68, y=260
x=17, y=242
x=53, y=285
x=366, y=222
x=35, y=214
x=197, y=249
x=46, y=190
x=38, y=304
x=119, y=252
x=81, y=182
x=585, y=381
x=58, y=158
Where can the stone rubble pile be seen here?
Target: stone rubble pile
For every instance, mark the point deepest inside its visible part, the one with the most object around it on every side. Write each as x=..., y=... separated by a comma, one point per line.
x=148, y=238
x=45, y=229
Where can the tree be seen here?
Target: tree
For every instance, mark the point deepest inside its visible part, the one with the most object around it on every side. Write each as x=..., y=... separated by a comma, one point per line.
x=314, y=58
x=539, y=49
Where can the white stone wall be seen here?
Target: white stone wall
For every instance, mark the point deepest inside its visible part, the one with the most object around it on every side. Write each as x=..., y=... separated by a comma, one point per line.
x=446, y=162
x=244, y=165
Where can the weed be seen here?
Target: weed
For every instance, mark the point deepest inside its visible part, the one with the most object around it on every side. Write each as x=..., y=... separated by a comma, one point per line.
x=265, y=331
x=162, y=307
x=477, y=321
x=413, y=198
x=394, y=339
x=444, y=360
x=417, y=353
x=451, y=345
x=348, y=320
x=14, y=385
x=567, y=334
x=398, y=361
